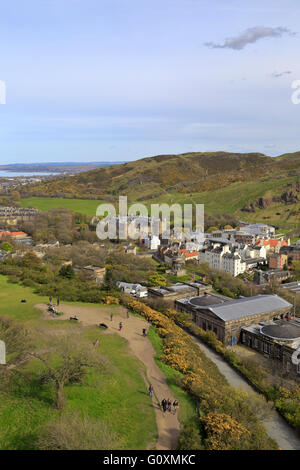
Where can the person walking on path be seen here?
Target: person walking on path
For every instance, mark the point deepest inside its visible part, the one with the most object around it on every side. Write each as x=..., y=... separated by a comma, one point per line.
x=50, y=300
x=57, y=302
x=120, y=326
x=164, y=405
x=127, y=314
x=148, y=319
x=169, y=405
x=96, y=343
x=150, y=389
x=175, y=406
x=111, y=317
x=144, y=332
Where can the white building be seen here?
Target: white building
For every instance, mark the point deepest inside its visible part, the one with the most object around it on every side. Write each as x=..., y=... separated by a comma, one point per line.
x=137, y=290
x=152, y=242
x=221, y=256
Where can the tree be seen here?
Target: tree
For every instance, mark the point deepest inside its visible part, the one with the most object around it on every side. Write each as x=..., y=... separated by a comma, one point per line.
x=157, y=280
x=69, y=363
x=6, y=246
x=190, y=437
x=17, y=341
x=67, y=271
x=30, y=260
x=212, y=229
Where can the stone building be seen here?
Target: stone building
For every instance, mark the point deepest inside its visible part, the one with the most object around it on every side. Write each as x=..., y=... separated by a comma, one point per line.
x=277, y=260
x=273, y=276
x=178, y=290
x=226, y=317
x=95, y=273
x=277, y=340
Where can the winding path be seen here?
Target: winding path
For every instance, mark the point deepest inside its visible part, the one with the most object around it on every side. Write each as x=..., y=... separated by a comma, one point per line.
x=167, y=423
x=278, y=429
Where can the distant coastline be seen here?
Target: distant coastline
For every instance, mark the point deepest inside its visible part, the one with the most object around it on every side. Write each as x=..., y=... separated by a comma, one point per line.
x=51, y=168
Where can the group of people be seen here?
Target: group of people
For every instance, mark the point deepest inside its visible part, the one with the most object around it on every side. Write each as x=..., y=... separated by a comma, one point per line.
x=50, y=301
x=167, y=405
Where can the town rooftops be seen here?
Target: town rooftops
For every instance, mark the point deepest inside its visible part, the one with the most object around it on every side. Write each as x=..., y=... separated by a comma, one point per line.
x=188, y=254
x=273, y=242
x=13, y=234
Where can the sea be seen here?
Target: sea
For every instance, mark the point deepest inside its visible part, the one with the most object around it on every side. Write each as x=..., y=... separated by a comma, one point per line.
x=13, y=174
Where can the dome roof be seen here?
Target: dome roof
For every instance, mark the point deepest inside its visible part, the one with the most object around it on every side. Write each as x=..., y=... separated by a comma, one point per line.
x=283, y=331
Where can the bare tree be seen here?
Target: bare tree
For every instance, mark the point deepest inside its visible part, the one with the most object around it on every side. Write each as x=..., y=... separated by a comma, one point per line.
x=69, y=363
x=17, y=341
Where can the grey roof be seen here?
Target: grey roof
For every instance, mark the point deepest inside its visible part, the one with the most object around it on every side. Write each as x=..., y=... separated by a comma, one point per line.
x=285, y=330
x=248, y=306
x=204, y=300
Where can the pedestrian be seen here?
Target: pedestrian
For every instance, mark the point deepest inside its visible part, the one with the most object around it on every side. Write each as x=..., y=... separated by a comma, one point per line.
x=50, y=300
x=175, y=406
x=120, y=326
x=111, y=317
x=127, y=314
x=150, y=391
x=144, y=332
x=57, y=302
x=169, y=405
x=164, y=405
x=148, y=319
x=96, y=343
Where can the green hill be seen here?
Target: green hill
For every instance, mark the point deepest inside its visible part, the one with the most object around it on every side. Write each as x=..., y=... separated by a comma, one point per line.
x=254, y=185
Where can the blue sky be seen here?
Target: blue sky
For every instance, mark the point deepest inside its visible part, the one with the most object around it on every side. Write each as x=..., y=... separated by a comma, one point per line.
x=114, y=80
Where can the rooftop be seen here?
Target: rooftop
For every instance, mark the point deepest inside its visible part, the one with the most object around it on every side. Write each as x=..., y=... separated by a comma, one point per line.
x=240, y=308
x=284, y=330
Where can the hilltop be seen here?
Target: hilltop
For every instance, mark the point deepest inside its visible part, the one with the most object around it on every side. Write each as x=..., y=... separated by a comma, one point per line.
x=251, y=183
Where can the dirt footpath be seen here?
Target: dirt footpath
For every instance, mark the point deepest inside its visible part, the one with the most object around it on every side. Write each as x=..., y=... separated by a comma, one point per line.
x=167, y=423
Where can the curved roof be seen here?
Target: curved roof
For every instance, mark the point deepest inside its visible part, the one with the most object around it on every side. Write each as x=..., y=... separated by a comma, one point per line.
x=283, y=331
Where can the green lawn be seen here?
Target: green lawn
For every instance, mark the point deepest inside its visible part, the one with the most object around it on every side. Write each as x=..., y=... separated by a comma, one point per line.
x=10, y=301
x=84, y=206
x=117, y=397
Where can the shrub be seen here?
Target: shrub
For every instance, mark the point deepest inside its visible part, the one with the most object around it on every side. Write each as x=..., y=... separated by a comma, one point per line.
x=73, y=432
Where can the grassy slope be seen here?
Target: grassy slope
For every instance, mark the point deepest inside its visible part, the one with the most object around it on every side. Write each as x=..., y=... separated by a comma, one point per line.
x=119, y=398
x=229, y=199
x=83, y=206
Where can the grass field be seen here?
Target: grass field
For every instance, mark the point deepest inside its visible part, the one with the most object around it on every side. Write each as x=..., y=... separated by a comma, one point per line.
x=10, y=301
x=118, y=397
x=84, y=206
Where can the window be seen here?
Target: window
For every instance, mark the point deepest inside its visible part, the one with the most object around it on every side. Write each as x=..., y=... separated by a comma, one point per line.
x=277, y=353
x=266, y=348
